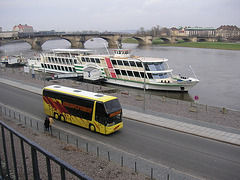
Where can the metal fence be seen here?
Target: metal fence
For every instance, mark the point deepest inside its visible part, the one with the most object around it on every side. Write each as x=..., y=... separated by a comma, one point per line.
x=126, y=159
x=20, y=158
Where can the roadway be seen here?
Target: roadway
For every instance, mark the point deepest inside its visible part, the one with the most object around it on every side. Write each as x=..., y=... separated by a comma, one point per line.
x=199, y=156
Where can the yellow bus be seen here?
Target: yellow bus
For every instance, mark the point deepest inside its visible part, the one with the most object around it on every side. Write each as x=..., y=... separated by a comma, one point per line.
x=94, y=111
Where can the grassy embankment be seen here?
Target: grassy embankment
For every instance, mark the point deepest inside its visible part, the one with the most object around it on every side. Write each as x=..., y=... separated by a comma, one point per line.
x=208, y=45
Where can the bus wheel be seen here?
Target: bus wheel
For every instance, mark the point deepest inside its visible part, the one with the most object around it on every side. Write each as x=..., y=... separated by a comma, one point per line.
x=62, y=118
x=92, y=128
x=56, y=116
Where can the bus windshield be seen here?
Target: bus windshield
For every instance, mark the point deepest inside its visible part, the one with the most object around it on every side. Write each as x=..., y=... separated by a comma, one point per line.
x=110, y=121
x=112, y=106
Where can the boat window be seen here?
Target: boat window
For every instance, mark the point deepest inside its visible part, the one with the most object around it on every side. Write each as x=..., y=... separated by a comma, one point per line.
x=62, y=68
x=149, y=67
x=55, y=67
x=117, y=72
x=59, y=60
x=136, y=74
x=59, y=68
x=87, y=59
x=160, y=66
x=139, y=64
x=63, y=60
x=150, y=76
x=55, y=59
x=97, y=60
x=42, y=65
x=70, y=69
x=66, y=68
x=161, y=76
x=125, y=63
x=132, y=63
x=50, y=67
x=142, y=75
x=49, y=59
x=75, y=61
x=114, y=62
x=124, y=72
x=83, y=59
x=92, y=60
x=67, y=61
x=45, y=65
x=52, y=59
x=70, y=60
x=74, y=70
x=130, y=73
x=120, y=63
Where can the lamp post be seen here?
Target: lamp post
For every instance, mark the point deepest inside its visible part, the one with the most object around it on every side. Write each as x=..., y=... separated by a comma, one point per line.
x=44, y=72
x=144, y=86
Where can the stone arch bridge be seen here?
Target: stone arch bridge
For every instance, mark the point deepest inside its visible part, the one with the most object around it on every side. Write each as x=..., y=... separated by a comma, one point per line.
x=113, y=40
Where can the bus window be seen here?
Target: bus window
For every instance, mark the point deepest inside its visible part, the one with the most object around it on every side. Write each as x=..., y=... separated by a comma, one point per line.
x=112, y=106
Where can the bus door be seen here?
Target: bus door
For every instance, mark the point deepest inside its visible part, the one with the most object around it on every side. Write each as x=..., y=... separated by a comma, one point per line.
x=102, y=124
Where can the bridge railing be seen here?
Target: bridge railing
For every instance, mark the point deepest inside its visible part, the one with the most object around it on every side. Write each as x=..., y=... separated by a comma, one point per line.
x=15, y=152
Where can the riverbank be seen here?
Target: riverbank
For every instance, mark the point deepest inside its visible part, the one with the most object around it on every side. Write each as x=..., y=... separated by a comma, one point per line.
x=161, y=104
x=206, y=45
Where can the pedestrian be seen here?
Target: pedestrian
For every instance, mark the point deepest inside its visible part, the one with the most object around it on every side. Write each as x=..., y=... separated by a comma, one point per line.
x=50, y=122
x=46, y=124
x=33, y=74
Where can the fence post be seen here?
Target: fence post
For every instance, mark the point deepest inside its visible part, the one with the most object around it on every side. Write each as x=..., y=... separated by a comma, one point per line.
x=135, y=167
x=35, y=164
x=87, y=147
x=151, y=173
x=122, y=161
x=24, y=160
x=97, y=151
x=14, y=156
x=5, y=151
x=108, y=156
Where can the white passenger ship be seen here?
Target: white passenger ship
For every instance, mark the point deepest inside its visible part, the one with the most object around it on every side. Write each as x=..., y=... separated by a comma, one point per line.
x=120, y=68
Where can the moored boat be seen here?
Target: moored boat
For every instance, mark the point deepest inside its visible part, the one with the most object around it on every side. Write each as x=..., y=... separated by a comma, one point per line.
x=119, y=68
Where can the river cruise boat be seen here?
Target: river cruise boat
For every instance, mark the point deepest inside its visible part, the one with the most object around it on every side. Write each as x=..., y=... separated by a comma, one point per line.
x=119, y=68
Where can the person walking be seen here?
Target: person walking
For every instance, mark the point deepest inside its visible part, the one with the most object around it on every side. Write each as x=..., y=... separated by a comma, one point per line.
x=50, y=122
x=46, y=124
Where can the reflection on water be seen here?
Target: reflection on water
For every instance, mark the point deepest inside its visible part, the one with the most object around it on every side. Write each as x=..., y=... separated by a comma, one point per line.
x=218, y=70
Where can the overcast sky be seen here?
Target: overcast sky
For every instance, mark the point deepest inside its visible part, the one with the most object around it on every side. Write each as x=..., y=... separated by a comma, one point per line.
x=113, y=15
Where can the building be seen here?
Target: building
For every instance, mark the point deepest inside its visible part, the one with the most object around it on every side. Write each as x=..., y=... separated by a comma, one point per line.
x=0, y=29
x=23, y=28
x=178, y=31
x=227, y=31
x=200, y=31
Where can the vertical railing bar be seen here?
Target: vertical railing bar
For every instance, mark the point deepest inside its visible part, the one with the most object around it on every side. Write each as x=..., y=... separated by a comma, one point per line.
x=14, y=155
x=24, y=161
x=63, y=173
x=1, y=169
x=35, y=164
x=49, y=168
x=5, y=151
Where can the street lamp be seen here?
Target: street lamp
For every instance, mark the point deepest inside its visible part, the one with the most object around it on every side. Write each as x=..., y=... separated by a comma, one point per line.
x=144, y=85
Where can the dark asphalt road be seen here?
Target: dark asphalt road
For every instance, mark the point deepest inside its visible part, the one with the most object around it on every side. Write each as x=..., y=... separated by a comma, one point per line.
x=199, y=156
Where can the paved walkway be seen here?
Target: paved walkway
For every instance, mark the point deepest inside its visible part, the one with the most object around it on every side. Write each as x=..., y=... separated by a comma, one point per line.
x=210, y=133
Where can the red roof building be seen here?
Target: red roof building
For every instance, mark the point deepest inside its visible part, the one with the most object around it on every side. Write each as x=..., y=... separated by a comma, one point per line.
x=23, y=28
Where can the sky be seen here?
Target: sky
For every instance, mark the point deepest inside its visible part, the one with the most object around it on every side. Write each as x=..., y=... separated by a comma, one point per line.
x=116, y=15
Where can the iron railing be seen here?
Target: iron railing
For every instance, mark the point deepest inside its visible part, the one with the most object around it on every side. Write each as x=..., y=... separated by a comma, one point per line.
x=10, y=164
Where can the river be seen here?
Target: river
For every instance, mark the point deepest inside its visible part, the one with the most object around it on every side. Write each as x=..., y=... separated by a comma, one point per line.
x=218, y=70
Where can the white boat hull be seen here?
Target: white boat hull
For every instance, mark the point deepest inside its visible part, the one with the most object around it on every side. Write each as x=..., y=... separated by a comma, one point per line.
x=160, y=86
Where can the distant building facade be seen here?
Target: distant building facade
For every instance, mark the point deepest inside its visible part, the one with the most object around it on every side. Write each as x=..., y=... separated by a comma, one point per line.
x=23, y=28
x=200, y=31
x=0, y=29
x=227, y=31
